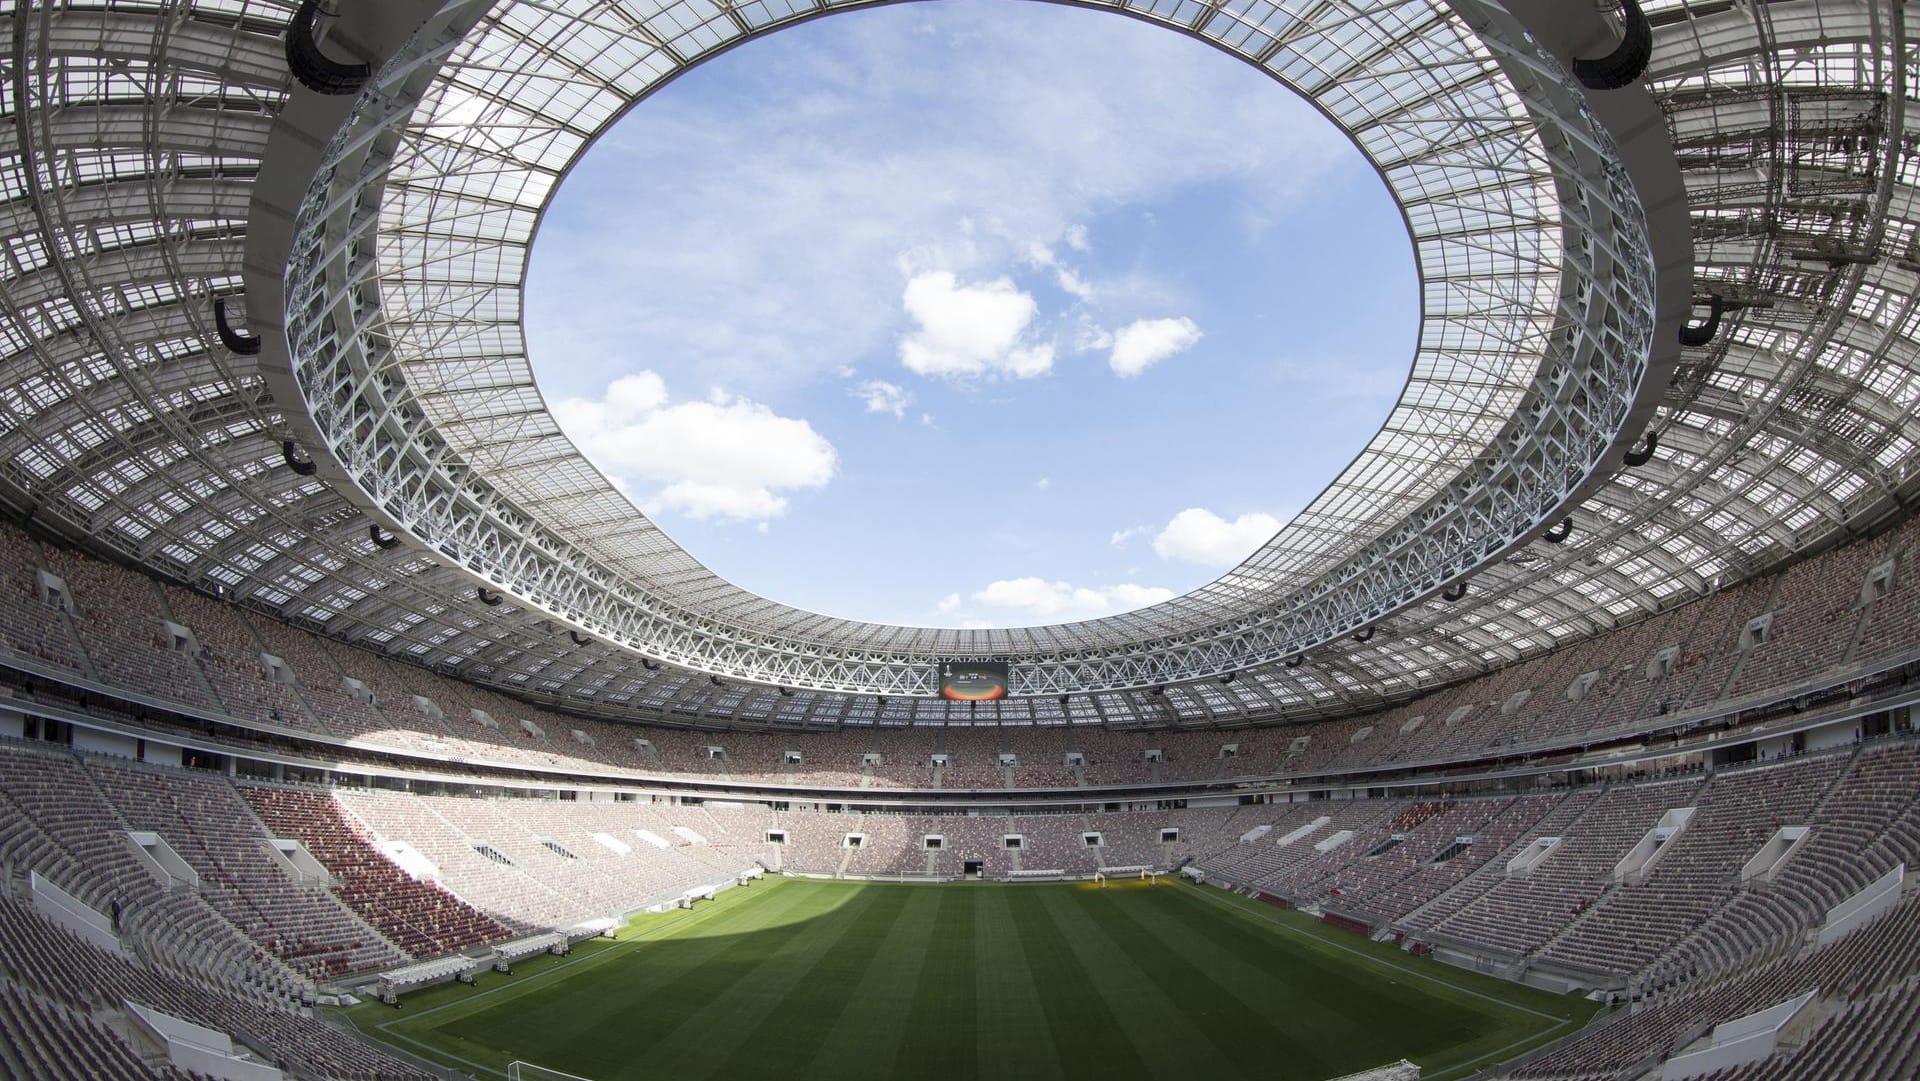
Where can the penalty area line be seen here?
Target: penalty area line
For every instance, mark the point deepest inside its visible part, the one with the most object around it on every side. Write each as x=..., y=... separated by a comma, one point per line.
x=1458, y=1070
x=433, y=1052
x=1385, y=963
x=1498, y=1054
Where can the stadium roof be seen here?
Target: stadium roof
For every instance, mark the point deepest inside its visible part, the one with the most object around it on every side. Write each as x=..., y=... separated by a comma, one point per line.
x=163, y=157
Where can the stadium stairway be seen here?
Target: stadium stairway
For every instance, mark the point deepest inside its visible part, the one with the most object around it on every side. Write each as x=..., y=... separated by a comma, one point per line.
x=1564, y=818
x=196, y=662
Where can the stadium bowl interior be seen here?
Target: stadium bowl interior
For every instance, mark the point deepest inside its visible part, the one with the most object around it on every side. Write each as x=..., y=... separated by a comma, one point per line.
x=1566, y=734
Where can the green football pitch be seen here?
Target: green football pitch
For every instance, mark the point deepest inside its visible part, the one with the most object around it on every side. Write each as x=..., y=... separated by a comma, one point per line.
x=797, y=978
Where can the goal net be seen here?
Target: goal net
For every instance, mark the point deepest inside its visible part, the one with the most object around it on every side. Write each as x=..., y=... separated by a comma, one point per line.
x=527, y=1071
x=1147, y=875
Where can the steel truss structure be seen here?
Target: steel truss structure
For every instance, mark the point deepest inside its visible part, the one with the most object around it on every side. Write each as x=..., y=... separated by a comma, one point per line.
x=403, y=297
x=126, y=422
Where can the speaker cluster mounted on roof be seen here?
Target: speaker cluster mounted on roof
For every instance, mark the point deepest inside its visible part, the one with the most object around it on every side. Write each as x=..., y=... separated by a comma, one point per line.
x=314, y=69
x=291, y=455
x=1637, y=458
x=1694, y=337
x=236, y=340
x=1628, y=60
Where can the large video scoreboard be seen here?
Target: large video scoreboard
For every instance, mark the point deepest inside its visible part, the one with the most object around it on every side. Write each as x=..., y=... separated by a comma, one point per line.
x=973, y=681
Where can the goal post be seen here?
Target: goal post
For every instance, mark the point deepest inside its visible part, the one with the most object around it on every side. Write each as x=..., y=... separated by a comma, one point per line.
x=1146, y=875
x=518, y=1070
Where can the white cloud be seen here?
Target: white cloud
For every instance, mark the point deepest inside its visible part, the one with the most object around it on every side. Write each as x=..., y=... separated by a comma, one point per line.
x=1122, y=536
x=724, y=457
x=1089, y=336
x=1072, y=283
x=1063, y=275
x=1043, y=483
x=967, y=331
x=949, y=603
x=1196, y=535
x=626, y=397
x=1145, y=342
x=880, y=396
x=638, y=261
x=1057, y=601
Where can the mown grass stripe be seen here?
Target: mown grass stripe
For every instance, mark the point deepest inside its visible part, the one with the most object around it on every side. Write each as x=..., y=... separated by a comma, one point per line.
x=1304, y=929
x=1343, y=999
x=863, y=1042
x=450, y=1000
x=1089, y=1042
x=561, y=1029
x=1512, y=1017
x=940, y=1027
x=1299, y=1026
x=475, y=1033
x=1253, y=1019
x=761, y=993
x=856, y=981
x=817, y=1001
x=1163, y=1035
x=429, y=1010
x=1013, y=1039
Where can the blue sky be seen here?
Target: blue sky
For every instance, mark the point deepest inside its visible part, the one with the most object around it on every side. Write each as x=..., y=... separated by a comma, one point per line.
x=972, y=313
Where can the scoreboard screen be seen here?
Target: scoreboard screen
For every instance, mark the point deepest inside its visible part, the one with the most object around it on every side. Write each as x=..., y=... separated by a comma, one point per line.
x=973, y=681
